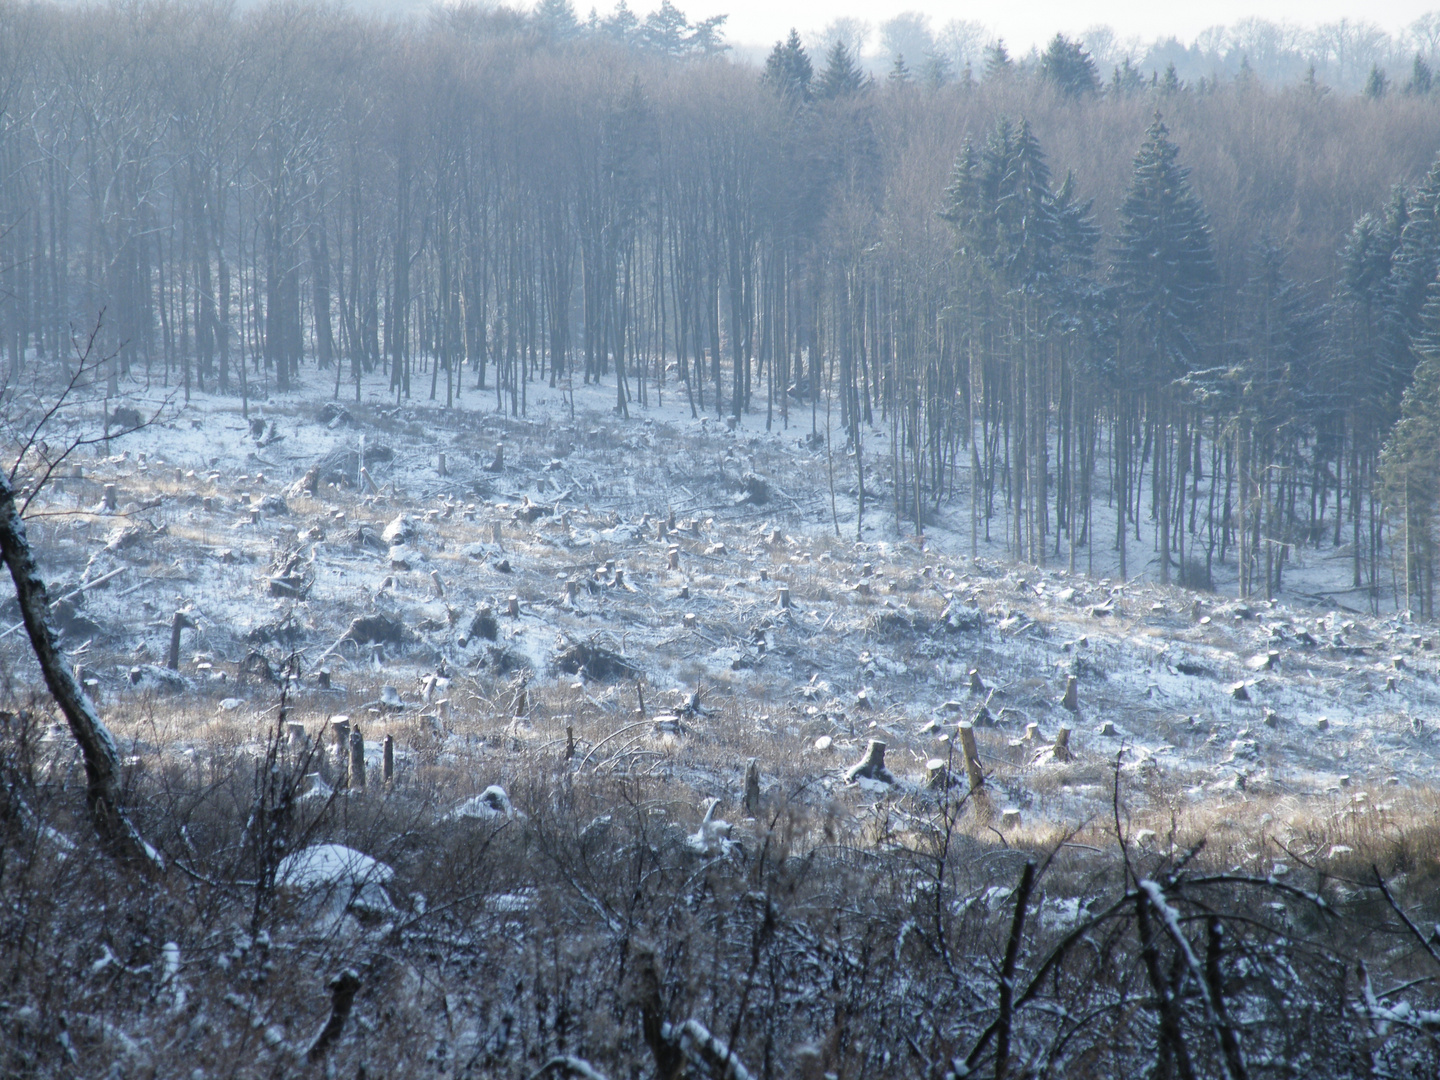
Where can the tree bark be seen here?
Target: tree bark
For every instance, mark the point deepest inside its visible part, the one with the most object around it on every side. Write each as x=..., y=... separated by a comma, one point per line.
x=118, y=836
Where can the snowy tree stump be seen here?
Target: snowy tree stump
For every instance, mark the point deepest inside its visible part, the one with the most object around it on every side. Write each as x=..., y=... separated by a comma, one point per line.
x=937, y=774
x=1061, y=750
x=439, y=588
x=690, y=621
x=673, y=556
x=110, y=498
x=977, y=685
x=495, y=533
x=497, y=463
x=1032, y=733
x=179, y=476
x=619, y=577
x=388, y=759
x=684, y=592
x=340, y=732
x=752, y=788
x=1010, y=818
x=572, y=590
x=660, y=530
x=357, y=759
x=867, y=569
x=1071, y=700
x=512, y=607
x=295, y=735
x=180, y=621
x=973, y=772
x=569, y=742
x=782, y=596
x=872, y=767
x=440, y=465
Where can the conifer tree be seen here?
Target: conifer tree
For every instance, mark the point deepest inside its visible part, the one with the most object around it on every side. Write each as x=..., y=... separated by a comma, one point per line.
x=1068, y=67
x=1164, y=264
x=842, y=77
x=1376, y=84
x=788, y=69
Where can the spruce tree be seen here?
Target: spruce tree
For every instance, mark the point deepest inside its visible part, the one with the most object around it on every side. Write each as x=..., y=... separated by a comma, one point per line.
x=1421, y=78
x=1164, y=262
x=998, y=64
x=842, y=77
x=1376, y=85
x=788, y=70
x=1068, y=68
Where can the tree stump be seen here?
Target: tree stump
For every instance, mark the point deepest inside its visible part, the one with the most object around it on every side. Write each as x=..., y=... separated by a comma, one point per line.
x=512, y=607
x=977, y=685
x=357, y=759
x=673, y=556
x=180, y=621
x=572, y=589
x=937, y=774
x=1071, y=700
x=872, y=767
x=388, y=766
x=1032, y=733
x=495, y=533
x=782, y=596
x=752, y=788
x=497, y=463
x=440, y=465
x=690, y=621
x=295, y=736
x=110, y=498
x=1061, y=750
x=973, y=772
x=439, y=588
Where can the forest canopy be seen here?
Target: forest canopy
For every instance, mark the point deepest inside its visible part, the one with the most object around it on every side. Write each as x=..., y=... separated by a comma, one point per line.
x=1198, y=300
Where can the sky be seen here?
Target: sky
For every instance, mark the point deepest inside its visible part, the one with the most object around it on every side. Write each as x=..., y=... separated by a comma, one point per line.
x=1032, y=22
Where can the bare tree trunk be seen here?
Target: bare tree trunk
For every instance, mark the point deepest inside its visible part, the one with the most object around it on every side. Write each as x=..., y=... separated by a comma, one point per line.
x=102, y=761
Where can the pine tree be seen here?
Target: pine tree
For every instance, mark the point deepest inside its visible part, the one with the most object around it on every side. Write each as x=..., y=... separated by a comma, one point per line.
x=1410, y=466
x=998, y=64
x=842, y=77
x=937, y=71
x=1421, y=78
x=899, y=73
x=556, y=19
x=1164, y=263
x=1171, y=83
x=1068, y=67
x=788, y=70
x=1127, y=80
x=1376, y=85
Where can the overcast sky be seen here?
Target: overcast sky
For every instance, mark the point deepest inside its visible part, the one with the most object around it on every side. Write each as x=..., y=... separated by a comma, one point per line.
x=1028, y=22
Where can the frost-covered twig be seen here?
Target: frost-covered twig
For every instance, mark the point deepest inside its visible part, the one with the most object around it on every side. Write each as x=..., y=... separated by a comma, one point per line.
x=695, y=1040
x=566, y=1065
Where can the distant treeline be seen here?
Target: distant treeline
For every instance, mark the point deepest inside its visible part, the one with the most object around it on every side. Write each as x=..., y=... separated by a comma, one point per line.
x=1201, y=305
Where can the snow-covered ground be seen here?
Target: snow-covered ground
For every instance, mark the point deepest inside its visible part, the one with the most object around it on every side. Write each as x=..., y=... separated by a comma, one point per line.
x=1213, y=700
